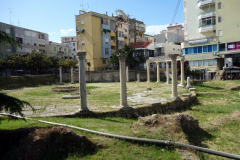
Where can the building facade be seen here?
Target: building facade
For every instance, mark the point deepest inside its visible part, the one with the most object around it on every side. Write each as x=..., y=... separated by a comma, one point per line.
x=71, y=41
x=96, y=35
x=29, y=40
x=60, y=50
x=211, y=35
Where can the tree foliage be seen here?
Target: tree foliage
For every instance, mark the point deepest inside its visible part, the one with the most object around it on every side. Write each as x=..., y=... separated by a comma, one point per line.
x=188, y=72
x=16, y=61
x=7, y=40
x=132, y=62
x=12, y=105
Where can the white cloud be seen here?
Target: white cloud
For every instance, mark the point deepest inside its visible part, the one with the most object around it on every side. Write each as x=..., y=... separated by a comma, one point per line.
x=156, y=29
x=64, y=32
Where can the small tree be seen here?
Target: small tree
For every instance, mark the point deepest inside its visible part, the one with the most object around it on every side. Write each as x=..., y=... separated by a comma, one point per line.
x=89, y=65
x=16, y=61
x=114, y=60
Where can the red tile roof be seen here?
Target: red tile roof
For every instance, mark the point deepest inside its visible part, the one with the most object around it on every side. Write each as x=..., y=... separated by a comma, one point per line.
x=143, y=44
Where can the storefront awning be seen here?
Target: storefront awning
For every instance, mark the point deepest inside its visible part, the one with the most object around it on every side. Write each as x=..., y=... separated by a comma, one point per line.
x=81, y=31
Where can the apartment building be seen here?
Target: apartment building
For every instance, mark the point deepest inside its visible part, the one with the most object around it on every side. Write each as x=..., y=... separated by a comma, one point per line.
x=29, y=39
x=211, y=35
x=71, y=41
x=136, y=28
x=60, y=50
x=96, y=35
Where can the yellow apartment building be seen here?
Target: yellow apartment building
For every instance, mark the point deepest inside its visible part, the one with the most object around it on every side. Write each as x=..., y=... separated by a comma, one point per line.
x=96, y=35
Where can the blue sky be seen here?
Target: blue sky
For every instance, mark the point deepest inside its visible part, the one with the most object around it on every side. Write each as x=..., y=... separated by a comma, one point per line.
x=56, y=17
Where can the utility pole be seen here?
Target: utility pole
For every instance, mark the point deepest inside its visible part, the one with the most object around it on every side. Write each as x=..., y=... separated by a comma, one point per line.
x=10, y=15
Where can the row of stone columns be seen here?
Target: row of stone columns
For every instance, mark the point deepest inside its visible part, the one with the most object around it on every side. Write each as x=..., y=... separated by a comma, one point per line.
x=60, y=75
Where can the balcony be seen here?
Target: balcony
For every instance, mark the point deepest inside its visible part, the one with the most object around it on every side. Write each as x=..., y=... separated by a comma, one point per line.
x=113, y=43
x=203, y=3
x=210, y=13
x=121, y=29
x=113, y=34
x=138, y=37
x=207, y=28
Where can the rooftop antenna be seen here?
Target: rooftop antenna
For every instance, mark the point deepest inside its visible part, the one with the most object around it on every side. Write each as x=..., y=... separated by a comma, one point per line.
x=82, y=5
x=88, y=7
x=18, y=22
x=10, y=15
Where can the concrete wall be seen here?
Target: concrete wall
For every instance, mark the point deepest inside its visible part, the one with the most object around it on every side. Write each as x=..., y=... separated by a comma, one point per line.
x=110, y=76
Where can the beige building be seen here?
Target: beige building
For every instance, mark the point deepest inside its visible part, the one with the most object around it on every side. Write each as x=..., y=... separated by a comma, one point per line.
x=212, y=35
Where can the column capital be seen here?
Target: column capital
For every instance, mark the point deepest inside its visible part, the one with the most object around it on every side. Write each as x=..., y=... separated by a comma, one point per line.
x=158, y=63
x=182, y=59
x=122, y=56
x=81, y=55
x=173, y=57
x=60, y=67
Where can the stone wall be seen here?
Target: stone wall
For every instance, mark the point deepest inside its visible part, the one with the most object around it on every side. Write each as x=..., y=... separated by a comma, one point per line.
x=110, y=76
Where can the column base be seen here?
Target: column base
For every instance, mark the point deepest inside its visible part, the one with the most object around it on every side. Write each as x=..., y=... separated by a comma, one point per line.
x=189, y=87
x=148, y=81
x=181, y=85
x=125, y=108
x=72, y=82
x=158, y=82
x=167, y=83
x=60, y=83
x=175, y=98
x=83, y=111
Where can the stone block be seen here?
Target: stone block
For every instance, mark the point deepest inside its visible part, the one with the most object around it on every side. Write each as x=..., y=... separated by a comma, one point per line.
x=192, y=89
x=188, y=95
x=71, y=97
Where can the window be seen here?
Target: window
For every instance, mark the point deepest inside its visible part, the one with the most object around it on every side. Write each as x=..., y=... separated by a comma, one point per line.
x=7, y=30
x=214, y=48
x=183, y=51
x=78, y=37
x=78, y=28
x=195, y=63
x=200, y=49
x=19, y=40
x=78, y=17
x=35, y=44
x=79, y=47
x=73, y=44
x=214, y=62
x=107, y=40
x=205, y=49
x=219, y=19
x=120, y=43
x=219, y=5
x=41, y=50
x=54, y=48
x=190, y=50
x=210, y=62
x=8, y=48
x=104, y=61
x=83, y=42
x=65, y=50
x=74, y=49
x=200, y=63
x=222, y=47
x=191, y=63
x=220, y=33
x=106, y=51
x=82, y=21
x=210, y=48
x=186, y=51
x=205, y=63
x=195, y=49
x=174, y=49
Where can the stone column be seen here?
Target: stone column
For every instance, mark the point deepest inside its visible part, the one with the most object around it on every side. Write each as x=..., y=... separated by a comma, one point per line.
x=60, y=75
x=148, y=71
x=82, y=83
x=138, y=77
x=189, y=82
x=123, y=88
x=167, y=72
x=72, y=75
x=174, y=77
x=158, y=72
x=182, y=73
x=127, y=74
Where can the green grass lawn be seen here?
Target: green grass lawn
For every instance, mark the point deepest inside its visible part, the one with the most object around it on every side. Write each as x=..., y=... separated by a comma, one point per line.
x=218, y=113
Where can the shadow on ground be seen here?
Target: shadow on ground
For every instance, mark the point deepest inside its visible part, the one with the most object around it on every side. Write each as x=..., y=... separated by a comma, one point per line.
x=44, y=143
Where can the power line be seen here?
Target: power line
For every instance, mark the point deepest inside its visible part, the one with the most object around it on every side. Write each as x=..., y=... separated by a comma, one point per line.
x=175, y=12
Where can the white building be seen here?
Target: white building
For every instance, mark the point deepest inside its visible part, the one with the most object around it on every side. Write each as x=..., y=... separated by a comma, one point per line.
x=71, y=41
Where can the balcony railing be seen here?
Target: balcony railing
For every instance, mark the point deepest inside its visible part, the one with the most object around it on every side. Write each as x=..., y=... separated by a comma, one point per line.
x=207, y=28
x=202, y=3
x=206, y=14
x=113, y=43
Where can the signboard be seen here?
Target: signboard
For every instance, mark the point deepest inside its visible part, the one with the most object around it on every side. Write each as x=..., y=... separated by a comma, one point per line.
x=233, y=46
x=198, y=41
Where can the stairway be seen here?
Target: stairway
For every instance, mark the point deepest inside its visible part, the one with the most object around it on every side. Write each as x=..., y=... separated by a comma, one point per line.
x=219, y=75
